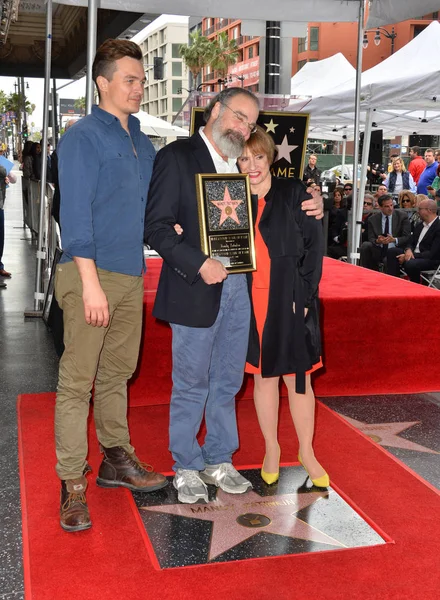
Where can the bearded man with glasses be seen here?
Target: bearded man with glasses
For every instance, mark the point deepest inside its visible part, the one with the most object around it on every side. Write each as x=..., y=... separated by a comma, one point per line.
x=209, y=310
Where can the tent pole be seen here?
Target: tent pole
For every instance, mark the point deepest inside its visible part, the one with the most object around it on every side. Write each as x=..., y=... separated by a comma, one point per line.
x=344, y=150
x=41, y=252
x=365, y=155
x=354, y=209
x=92, y=24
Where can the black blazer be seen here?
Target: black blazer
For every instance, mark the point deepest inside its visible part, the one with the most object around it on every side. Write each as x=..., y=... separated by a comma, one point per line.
x=291, y=344
x=430, y=245
x=401, y=228
x=182, y=295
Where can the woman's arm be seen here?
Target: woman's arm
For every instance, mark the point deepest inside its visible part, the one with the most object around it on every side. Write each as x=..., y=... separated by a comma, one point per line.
x=311, y=265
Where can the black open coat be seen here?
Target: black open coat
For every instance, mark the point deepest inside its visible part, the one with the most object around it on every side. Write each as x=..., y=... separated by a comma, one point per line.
x=290, y=344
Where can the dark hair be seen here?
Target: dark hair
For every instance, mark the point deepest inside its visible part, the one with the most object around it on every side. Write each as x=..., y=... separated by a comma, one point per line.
x=340, y=190
x=438, y=171
x=226, y=95
x=383, y=199
x=262, y=142
x=415, y=149
x=429, y=150
x=27, y=148
x=107, y=55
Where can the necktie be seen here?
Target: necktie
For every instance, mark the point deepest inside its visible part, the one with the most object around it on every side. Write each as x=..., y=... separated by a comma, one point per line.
x=387, y=226
x=386, y=232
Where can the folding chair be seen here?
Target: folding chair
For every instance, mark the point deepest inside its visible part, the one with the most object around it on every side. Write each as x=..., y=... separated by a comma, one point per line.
x=432, y=278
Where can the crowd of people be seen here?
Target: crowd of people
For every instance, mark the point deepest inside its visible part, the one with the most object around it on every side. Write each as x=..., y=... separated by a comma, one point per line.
x=393, y=217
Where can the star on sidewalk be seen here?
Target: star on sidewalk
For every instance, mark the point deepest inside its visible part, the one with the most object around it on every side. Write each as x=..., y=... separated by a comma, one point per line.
x=228, y=207
x=238, y=518
x=284, y=150
x=385, y=434
x=271, y=126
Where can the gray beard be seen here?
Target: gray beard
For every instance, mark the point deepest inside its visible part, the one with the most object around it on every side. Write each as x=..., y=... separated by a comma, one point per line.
x=229, y=142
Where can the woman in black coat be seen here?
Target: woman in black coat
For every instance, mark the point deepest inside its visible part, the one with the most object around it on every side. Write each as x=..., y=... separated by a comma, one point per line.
x=285, y=336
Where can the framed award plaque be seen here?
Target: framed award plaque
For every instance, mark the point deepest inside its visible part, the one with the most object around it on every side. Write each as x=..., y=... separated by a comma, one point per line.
x=225, y=219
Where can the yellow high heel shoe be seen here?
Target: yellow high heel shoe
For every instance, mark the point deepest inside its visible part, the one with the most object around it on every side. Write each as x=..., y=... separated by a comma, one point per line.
x=270, y=478
x=323, y=481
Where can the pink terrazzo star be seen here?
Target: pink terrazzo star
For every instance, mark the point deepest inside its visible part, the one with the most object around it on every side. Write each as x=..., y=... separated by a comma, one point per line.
x=228, y=207
x=271, y=514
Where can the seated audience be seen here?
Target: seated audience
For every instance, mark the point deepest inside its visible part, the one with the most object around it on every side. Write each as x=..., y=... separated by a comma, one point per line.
x=337, y=238
x=386, y=229
x=367, y=213
x=407, y=202
x=422, y=253
x=399, y=179
x=381, y=190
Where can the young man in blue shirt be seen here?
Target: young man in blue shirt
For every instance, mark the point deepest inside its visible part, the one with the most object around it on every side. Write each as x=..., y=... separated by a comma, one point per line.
x=105, y=166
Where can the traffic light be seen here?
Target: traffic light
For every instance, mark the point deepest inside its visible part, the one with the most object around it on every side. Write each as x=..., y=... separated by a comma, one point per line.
x=158, y=67
x=24, y=132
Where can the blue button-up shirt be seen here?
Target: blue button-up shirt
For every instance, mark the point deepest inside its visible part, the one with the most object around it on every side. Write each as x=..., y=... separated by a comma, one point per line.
x=103, y=189
x=426, y=178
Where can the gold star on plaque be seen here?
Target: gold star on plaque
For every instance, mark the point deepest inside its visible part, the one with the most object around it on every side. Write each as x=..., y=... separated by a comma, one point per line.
x=270, y=126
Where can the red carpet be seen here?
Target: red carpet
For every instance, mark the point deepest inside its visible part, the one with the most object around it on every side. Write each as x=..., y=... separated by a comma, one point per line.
x=110, y=561
x=378, y=334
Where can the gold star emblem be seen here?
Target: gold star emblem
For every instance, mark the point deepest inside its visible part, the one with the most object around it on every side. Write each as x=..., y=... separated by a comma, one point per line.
x=270, y=126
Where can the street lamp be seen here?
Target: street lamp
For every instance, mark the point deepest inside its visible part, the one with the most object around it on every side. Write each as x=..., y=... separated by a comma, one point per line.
x=377, y=36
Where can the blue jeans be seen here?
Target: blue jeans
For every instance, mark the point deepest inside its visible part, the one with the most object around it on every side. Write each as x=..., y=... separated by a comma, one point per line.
x=208, y=367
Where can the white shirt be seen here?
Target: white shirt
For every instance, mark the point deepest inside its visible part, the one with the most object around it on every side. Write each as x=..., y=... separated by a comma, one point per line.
x=221, y=165
x=424, y=231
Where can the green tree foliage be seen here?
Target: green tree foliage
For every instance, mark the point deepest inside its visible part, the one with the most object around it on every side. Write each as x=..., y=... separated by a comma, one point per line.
x=225, y=54
x=80, y=103
x=197, y=54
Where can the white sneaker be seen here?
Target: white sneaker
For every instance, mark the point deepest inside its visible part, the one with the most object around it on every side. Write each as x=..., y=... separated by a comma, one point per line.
x=189, y=486
x=226, y=477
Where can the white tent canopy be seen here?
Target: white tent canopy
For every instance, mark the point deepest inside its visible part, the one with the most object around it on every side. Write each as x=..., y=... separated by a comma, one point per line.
x=386, y=12
x=317, y=78
x=159, y=127
x=403, y=91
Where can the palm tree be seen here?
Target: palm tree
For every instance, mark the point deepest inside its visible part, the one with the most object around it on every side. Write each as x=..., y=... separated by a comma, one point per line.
x=197, y=54
x=226, y=53
x=80, y=103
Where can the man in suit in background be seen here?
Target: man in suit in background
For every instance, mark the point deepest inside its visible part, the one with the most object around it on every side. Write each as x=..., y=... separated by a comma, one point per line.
x=386, y=229
x=423, y=250
x=208, y=310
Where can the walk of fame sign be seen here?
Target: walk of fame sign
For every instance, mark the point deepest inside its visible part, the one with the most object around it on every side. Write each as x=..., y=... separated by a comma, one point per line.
x=225, y=219
x=291, y=517
x=289, y=131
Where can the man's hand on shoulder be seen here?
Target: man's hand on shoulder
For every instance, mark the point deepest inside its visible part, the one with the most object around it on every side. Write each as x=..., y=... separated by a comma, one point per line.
x=212, y=271
x=315, y=206
x=96, y=310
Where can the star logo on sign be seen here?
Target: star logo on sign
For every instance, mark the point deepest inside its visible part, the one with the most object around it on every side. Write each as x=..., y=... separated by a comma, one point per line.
x=228, y=207
x=284, y=150
x=236, y=519
x=270, y=126
x=292, y=130
x=385, y=434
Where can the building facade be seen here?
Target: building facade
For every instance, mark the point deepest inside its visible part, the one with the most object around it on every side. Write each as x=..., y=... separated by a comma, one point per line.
x=322, y=41
x=246, y=71
x=163, y=98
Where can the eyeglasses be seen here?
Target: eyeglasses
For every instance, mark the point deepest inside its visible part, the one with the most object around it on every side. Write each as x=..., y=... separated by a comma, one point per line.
x=348, y=189
x=242, y=118
x=404, y=200
x=368, y=204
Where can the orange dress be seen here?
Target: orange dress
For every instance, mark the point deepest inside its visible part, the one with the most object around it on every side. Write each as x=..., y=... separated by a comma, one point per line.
x=260, y=288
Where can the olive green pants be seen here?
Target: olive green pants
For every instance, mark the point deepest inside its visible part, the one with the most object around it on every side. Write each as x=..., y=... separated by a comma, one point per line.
x=105, y=357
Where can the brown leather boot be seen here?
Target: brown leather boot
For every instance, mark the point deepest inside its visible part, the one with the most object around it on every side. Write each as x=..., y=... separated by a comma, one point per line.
x=121, y=469
x=74, y=512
